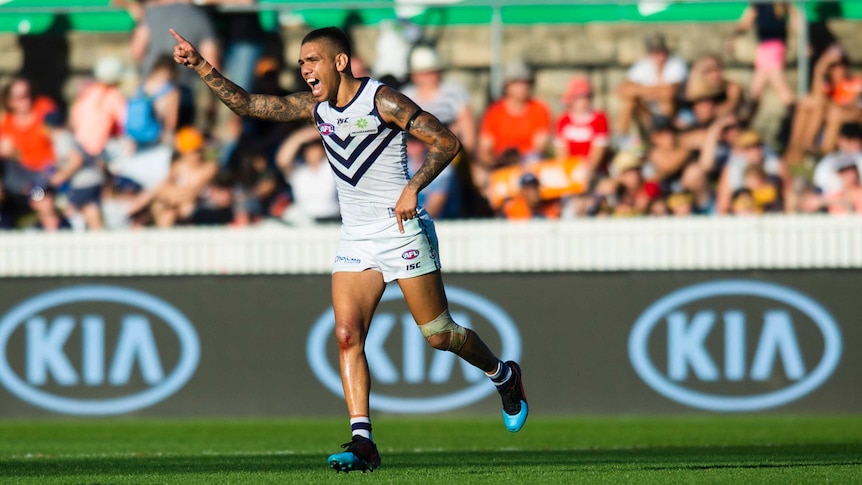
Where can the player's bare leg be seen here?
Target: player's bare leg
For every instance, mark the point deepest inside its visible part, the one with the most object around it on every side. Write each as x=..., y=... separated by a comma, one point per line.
x=426, y=299
x=354, y=298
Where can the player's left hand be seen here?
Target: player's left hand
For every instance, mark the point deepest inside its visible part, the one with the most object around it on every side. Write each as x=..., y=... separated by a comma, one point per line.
x=405, y=208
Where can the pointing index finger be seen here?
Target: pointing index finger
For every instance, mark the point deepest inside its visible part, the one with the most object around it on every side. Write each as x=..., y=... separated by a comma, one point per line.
x=177, y=36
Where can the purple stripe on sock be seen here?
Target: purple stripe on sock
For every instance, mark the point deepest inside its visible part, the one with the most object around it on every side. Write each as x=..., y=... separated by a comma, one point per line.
x=365, y=426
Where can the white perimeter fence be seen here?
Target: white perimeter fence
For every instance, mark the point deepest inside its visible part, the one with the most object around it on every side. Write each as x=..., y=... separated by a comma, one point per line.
x=711, y=243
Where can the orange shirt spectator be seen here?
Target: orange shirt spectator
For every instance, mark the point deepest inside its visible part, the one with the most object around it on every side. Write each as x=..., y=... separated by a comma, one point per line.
x=29, y=135
x=516, y=121
x=515, y=129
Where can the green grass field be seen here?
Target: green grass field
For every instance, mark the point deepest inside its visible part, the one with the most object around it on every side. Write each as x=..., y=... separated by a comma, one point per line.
x=725, y=449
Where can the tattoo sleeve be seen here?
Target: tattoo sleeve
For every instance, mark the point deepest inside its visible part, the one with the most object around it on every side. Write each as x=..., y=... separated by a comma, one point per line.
x=443, y=145
x=293, y=107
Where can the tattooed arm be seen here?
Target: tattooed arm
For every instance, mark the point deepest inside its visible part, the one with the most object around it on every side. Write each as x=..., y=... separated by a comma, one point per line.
x=398, y=109
x=299, y=106
x=443, y=145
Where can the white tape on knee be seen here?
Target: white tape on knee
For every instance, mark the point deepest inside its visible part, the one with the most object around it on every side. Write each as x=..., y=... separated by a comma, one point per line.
x=444, y=324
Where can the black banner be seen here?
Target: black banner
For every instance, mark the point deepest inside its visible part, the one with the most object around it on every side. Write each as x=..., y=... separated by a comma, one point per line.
x=589, y=343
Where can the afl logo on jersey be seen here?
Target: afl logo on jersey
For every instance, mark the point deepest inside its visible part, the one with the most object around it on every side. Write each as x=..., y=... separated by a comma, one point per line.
x=410, y=254
x=326, y=128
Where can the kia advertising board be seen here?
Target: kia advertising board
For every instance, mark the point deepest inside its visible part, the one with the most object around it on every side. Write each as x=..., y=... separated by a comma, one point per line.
x=589, y=343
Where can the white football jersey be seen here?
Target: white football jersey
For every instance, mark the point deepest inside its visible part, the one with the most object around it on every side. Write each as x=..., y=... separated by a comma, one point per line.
x=368, y=156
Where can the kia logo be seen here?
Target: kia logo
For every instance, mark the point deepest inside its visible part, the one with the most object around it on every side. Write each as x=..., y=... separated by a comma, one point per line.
x=399, y=357
x=96, y=350
x=735, y=345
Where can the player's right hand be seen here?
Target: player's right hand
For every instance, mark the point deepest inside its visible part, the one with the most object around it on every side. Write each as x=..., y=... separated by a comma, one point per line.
x=185, y=53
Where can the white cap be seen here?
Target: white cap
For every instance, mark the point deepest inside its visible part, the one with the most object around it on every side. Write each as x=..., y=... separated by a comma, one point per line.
x=108, y=70
x=517, y=70
x=424, y=59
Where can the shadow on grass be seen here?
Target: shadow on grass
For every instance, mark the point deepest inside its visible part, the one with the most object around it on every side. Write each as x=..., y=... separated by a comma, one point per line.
x=646, y=459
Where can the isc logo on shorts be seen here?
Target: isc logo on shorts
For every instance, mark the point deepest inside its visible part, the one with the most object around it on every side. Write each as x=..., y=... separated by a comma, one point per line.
x=410, y=254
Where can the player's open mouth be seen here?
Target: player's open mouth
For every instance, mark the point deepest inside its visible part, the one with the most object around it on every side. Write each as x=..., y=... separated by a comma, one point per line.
x=314, y=83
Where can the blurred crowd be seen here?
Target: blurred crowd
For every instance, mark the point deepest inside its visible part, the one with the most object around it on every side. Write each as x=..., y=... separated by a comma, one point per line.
x=142, y=144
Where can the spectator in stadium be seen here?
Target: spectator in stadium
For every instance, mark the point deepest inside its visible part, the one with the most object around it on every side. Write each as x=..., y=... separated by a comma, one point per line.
x=603, y=200
x=707, y=94
x=149, y=136
x=771, y=22
x=742, y=203
x=665, y=157
x=582, y=131
x=255, y=189
x=96, y=118
x=217, y=203
x=680, y=204
x=657, y=207
x=832, y=102
x=528, y=202
x=27, y=146
x=718, y=145
x=447, y=100
x=708, y=76
x=765, y=189
x=649, y=90
x=125, y=205
x=634, y=192
x=303, y=164
x=848, y=200
x=157, y=97
x=826, y=177
x=695, y=181
x=175, y=200
x=748, y=149
x=517, y=123
x=150, y=42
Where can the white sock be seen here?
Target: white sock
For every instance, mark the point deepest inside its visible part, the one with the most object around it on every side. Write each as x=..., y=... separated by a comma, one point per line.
x=501, y=375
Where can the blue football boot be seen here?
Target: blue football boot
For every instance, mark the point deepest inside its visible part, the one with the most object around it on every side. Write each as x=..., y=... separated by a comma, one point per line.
x=359, y=455
x=514, y=400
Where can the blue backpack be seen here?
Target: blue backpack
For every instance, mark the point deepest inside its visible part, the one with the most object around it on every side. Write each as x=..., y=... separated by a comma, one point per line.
x=142, y=124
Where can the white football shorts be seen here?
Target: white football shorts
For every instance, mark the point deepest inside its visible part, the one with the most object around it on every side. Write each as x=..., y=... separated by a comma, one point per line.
x=380, y=247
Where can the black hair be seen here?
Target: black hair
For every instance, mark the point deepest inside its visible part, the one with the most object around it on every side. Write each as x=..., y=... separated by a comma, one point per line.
x=852, y=131
x=335, y=36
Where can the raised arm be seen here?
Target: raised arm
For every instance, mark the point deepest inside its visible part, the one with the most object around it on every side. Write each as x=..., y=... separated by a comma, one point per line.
x=288, y=150
x=294, y=107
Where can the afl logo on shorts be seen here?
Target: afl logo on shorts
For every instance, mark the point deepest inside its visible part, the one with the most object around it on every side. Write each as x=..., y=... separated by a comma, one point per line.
x=410, y=254
x=326, y=128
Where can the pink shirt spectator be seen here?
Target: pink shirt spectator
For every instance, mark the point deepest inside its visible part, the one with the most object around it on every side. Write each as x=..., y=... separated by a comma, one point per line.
x=98, y=113
x=581, y=132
